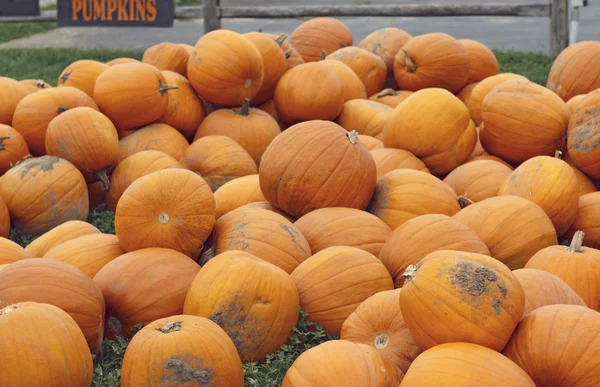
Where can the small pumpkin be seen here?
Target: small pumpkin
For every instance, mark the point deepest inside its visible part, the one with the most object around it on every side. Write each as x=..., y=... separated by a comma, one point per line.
x=13, y=148
x=370, y=68
x=364, y=116
x=34, y=85
x=371, y=143
x=11, y=252
x=167, y=56
x=391, y=97
x=66, y=231
x=482, y=61
x=583, y=134
x=82, y=75
x=352, y=86
x=478, y=180
x=573, y=71
x=117, y=61
x=12, y=93
x=237, y=193
x=388, y=159
x=386, y=43
x=274, y=62
x=160, y=137
x=483, y=88
x=587, y=220
x=320, y=34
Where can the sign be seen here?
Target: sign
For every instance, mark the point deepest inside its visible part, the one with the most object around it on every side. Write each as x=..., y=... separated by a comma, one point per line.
x=115, y=13
x=19, y=8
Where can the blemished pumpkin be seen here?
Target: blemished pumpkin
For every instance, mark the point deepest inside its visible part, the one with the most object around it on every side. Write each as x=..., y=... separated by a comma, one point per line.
x=403, y=194
x=132, y=95
x=355, y=364
x=482, y=61
x=82, y=75
x=587, y=220
x=118, y=61
x=378, y=322
x=542, y=288
x=55, y=193
x=170, y=208
x=292, y=57
x=558, y=345
x=34, y=113
x=12, y=92
x=432, y=60
x=335, y=281
x=237, y=193
x=583, y=134
x=370, y=68
x=142, y=286
x=167, y=56
x=317, y=164
x=414, y=240
x=574, y=102
x=364, y=116
x=168, y=348
x=442, y=141
x=225, y=68
x=252, y=128
x=391, y=97
x=338, y=226
x=483, y=88
x=274, y=63
x=371, y=143
x=30, y=355
x=483, y=301
x=160, y=137
x=519, y=228
x=573, y=71
x=34, y=85
x=59, y=234
x=465, y=93
x=538, y=118
x=258, y=313
x=464, y=365
x=388, y=159
x=352, y=85
x=52, y=282
x=11, y=252
x=385, y=43
x=13, y=148
x=318, y=35
x=86, y=138
x=478, y=180
x=218, y=159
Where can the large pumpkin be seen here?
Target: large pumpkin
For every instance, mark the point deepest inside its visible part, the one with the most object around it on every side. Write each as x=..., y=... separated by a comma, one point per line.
x=59, y=234
x=44, y=192
x=13, y=148
x=370, y=68
x=364, y=116
x=161, y=137
x=12, y=92
x=574, y=71
x=587, y=220
x=483, y=88
x=318, y=35
x=274, y=62
x=352, y=86
x=11, y=252
x=482, y=61
x=167, y=56
x=583, y=135
x=478, y=180
x=237, y=193
x=391, y=97
x=317, y=164
x=385, y=43
x=82, y=75
x=34, y=85
x=388, y=159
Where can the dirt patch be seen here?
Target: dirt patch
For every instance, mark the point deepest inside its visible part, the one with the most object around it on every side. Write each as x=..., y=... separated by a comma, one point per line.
x=178, y=372
x=477, y=281
x=45, y=163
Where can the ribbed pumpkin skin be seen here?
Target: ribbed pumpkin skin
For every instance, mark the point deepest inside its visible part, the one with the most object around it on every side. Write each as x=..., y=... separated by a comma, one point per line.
x=403, y=194
x=465, y=93
x=538, y=118
x=364, y=116
x=483, y=88
x=259, y=312
x=56, y=193
x=59, y=234
x=451, y=134
x=352, y=86
x=370, y=68
x=483, y=301
x=167, y=56
x=237, y=193
x=385, y=43
x=583, y=135
x=333, y=282
x=11, y=252
x=574, y=102
x=48, y=281
x=13, y=148
x=369, y=142
x=34, y=85
x=391, y=97
x=542, y=288
x=12, y=93
x=225, y=68
x=587, y=220
x=433, y=60
x=35, y=356
x=169, y=350
x=82, y=75
x=558, y=345
x=34, y=113
x=464, y=365
x=349, y=364
x=317, y=164
x=425, y=234
x=388, y=159
x=378, y=322
x=320, y=34
x=117, y=61
x=144, y=285
x=573, y=71
x=482, y=61
x=265, y=205
x=478, y=180
x=274, y=63
x=161, y=137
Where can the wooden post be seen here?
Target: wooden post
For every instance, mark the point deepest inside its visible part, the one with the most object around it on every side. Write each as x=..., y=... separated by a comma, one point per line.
x=212, y=15
x=559, y=26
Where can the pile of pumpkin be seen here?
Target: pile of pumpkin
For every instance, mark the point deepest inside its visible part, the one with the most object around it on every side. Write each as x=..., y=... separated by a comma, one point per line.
x=309, y=183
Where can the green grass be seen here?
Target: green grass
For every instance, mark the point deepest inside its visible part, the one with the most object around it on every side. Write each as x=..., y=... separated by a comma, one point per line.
x=533, y=66
x=11, y=31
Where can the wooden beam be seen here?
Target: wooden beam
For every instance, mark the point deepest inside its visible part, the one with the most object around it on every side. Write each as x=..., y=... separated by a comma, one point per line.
x=212, y=16
x=559, y=26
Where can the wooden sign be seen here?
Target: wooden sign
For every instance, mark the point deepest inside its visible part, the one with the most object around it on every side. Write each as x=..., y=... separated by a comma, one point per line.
x=115, y=13
x=19, y=8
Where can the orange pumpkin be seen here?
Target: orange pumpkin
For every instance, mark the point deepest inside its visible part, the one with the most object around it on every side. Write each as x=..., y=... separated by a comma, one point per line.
x=274, y=62
x=364, y=116
x=65, y=232
x=391, y=97
x=465, y=93
x=172, y=208
x=12, y=93
x=369, y=67
x=82, y=75
x=34, y=85
x=583, y=135
x=587, y=220
x=167, y=56
x=388, y=159
x=118, y=61
x=13, y=148
x=265, y=205
x=479, y=152
x=352, y=86
x=483, y=88
x=574, y=102
x=160, y=137
x=292, y=57
x=386, y=43
x=269, y=108
x=321, y=34
x=11, y=252
x=482, y=61
x=478, y=180
x=371, y=143
x=573, y=71
x=237, y=193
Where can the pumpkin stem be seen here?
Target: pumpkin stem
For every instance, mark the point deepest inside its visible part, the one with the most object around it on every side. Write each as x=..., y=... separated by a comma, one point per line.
x=352, y=136
x=65, y=77
x=245, y=109
x=164, y=88
x=411, y=67
x=281, y=38
x=410, y=272
x=576, y=243
x=103, y=177
x=163, y=218
x=7, y=310
x=170, y=326
x=558, y=154
x=323, y=55
x=2, y=142
x=62, y=109
x=288, y=54
x=386, y=93
x=464, y=201
x=381, y=341
x=40, y=83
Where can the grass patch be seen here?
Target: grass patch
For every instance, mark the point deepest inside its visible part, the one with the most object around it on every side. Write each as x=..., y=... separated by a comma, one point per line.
x=533, y=66
x=12, y=31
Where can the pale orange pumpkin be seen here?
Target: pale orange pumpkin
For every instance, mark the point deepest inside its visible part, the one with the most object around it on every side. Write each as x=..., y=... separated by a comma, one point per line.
x=12, y=92
x=386, y=43
x=465, y=93
x=391, y=97
x=483, y=88
x=482, y=61
x=274, y=62
x=82, y=75
x=364, y=116
x=160, y=137
x=388, y=159
x=122, y=60
x=11, y=252
x=237, y=193
x=34, y=85
x=371, y=143
x=573, y=71
x=369, y=67
x=167, y=56
x=320, y=34
x=65, y=232
x=352, y=85
x=478, y=180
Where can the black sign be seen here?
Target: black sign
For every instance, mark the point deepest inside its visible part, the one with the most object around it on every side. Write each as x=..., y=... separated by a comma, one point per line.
x=19, y=8
x=115, y=13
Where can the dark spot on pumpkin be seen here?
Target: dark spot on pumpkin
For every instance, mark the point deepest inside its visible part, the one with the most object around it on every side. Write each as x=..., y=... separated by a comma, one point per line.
x=472, y=279
x=45, y=163
x=496, y=306
x=503, y=290
x=178, y=372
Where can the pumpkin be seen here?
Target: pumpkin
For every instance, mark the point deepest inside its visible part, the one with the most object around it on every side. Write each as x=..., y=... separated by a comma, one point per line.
x=557, y=345
x=34, y=113
x=425, y=234
x=142, y=286
x=132, y=94
x=321, y=34
x=33, y=355
x=4, y=220
x=274, y=62
x=51, y=282
x=391, y=97
x=265, y=205
x=579, y=267
x=403, y=194
x=339, y=226
x=87, y=139
x=538, y=119
x=292, y=57
x=549, y=182
x=587, y=220
x=218, y=159
x=13, y=148
x=364, y=116
x=184, y=110
x=349, y=364
x=464, y=365
x=252, y=128
x=82, y=75
x=59, y=234
x=236, y=193
x=583, y=134
x=352, y=86
x=513, y=228
x=160, y=137
x=34, y=85
x=482, y=61
x=574, y=102
x=478, y=180
x=55, y=192
x=118, y=61
x=317, y=164
x=386, y=43
x=298, y=99
x=171, y=208
x=432, y=60
x=225, y=68
x=179, y=349
x=11, y=252
x=378, y=322
x=269, y=108
x=369, y=67
x=483, y=88
x=335, y=281
x=388, y=159
x=442, y=141
x=132, y=168
x=542, y=288
x=258, y=313
x=478, y=153
x=573, y=71
x=12, y=93
x=167, y=56
x=465, y=93
x=371, y=143
x=96, y=194
x=88, y=253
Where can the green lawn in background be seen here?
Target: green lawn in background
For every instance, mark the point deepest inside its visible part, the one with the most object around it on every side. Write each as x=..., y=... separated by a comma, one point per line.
x=10, y=31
